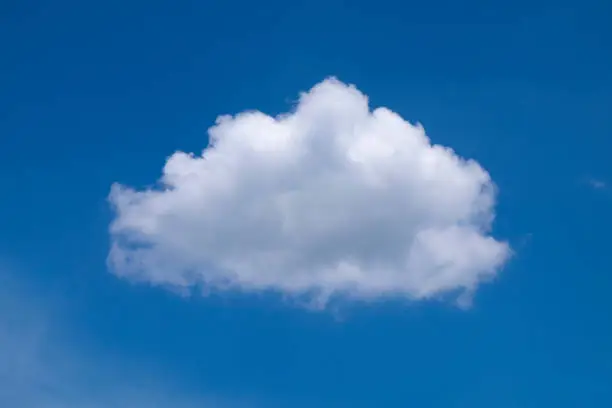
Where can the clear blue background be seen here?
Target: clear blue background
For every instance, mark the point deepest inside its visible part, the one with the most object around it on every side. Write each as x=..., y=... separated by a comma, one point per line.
x=97, y=92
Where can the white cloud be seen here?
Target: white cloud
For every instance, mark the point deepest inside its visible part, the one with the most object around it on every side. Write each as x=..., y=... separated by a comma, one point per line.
x=331, y=198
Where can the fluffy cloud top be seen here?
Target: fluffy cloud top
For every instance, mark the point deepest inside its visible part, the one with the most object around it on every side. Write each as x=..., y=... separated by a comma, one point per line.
x=331, y=198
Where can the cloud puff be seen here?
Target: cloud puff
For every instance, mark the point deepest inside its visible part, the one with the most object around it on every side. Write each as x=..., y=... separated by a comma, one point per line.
x=330, y=199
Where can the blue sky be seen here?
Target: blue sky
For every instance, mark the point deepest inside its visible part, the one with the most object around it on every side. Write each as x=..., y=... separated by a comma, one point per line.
x=96, y=95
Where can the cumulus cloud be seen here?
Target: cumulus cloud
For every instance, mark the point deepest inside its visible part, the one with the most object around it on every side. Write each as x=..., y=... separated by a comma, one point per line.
x=332, y=198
